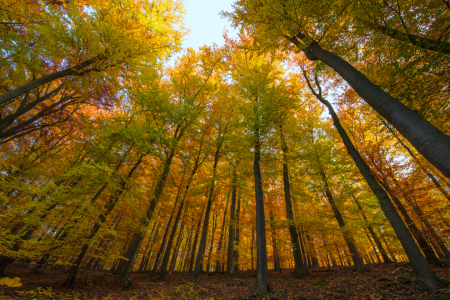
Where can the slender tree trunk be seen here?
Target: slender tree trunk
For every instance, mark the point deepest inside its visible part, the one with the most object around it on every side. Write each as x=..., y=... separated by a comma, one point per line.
x=300, y=268
x=165, y=260
x=262, y=280
x=147, y=251
x=237, y=237
x=230, y=265
x=201, y=248
x=373, y=246
x=252, y=249
x=218, y=263
x=194, y=248
x=423, y=244
x=211, y=245
x=418, y=261
x=414, y=157
x=276, y=256
x=166, y=233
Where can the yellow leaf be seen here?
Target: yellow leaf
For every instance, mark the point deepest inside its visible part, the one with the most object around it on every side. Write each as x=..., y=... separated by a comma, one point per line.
x=15, y=282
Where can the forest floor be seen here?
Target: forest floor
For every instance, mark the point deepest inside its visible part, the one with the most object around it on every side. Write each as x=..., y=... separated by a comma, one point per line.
x=381, y=282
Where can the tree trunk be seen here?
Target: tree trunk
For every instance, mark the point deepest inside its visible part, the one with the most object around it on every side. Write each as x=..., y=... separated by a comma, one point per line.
x=300, y=268
x=218, y=264
x=201, y=248
x=262, y=280
x=231, y=227
x=237, y=237
x=156, y=195
x=276, y=256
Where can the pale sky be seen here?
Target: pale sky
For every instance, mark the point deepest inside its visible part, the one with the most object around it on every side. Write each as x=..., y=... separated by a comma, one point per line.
x=205, y=24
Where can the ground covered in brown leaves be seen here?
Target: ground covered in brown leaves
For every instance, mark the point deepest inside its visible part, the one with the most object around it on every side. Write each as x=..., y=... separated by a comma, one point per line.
x=381, y=282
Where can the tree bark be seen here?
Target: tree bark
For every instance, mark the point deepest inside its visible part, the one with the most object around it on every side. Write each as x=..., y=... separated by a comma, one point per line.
x=300, y=268
x=230, y=265
x=201, y=248
x=218, y=264
x=262, y=280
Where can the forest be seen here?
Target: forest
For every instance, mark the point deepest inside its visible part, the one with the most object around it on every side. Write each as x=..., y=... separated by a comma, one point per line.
x=308, y=158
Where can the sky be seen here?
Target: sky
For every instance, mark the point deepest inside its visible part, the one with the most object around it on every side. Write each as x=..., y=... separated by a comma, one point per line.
x=205, y=25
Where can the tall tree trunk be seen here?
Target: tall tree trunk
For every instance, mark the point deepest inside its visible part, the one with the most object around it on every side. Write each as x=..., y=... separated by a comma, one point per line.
x=166, y=257
x=423, y=244
x=262, y=280
x=276, y=256
x=252, y=249
x=300, y=268
x=231, y=227
x=151, y=242
x=421, y=268
x=166, y=233
x=194, y=245
x=433, y=144
x=208, y=264
x=201, y=248
x=218, y=263
x=237, y=237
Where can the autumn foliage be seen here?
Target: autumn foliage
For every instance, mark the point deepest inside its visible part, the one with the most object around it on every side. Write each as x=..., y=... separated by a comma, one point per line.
x=316, y=139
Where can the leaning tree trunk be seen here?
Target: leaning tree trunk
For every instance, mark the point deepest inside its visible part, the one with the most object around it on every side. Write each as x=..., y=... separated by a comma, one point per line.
x=166, y=257
x=433, y=144
x=421, y=268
